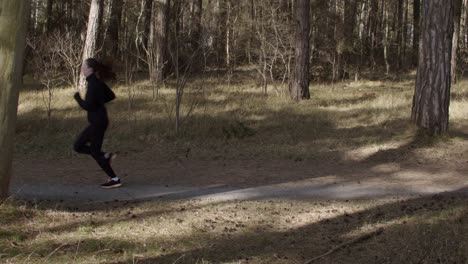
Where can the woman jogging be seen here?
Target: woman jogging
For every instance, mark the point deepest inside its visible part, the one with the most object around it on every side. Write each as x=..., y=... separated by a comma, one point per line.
x=97, y=95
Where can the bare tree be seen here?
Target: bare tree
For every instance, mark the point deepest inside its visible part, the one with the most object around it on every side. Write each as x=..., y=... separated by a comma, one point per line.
x=12, y=12
x=275, y=47
x=47, y=68
x=69, y=48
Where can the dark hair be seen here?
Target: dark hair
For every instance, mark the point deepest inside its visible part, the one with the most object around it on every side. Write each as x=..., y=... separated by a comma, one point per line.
x=103, y=71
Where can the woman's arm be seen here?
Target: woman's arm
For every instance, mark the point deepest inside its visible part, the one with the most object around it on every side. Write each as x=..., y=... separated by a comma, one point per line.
x=94, y=99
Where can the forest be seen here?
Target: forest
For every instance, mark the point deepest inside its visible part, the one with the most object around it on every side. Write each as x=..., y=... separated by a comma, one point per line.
x=283, y=44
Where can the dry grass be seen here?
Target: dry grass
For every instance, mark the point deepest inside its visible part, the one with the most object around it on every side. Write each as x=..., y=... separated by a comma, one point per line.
x=420, y=230
x=236, y=121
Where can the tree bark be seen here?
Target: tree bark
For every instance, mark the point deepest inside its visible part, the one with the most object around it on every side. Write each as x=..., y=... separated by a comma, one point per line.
x=252, y=30
x=431, y=100
x=114, y=27
x=465, y=33
x=48, y=17
x=456, y=37
x=351, y=7
x=36, y=16
x=300, y=85
x=373, y=29
x=146, y=20
x=221, y=24
x=92, y=35
x=12, y=44
x=339, y=37
x=228, y=36
x=416, y=29
x=197, y=20
x=68, y=16
x=158, y=40
x=386, y=39
x=100, y=29
x=405, y=34
x=196, y=35
x=399, y=35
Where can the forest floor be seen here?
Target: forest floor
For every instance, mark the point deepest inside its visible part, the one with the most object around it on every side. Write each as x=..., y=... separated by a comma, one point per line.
x=236, y=139
x=145, y=176
x=428, y=229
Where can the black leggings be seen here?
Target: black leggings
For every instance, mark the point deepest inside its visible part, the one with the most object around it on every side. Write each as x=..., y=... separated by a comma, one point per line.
x=94, y=135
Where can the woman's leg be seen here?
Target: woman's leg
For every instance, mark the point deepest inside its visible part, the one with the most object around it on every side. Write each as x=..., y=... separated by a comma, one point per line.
x=81, y=141
x=97, y=138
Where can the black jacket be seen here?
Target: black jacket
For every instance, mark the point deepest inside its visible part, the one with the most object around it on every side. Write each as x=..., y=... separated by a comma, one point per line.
x=97, y=95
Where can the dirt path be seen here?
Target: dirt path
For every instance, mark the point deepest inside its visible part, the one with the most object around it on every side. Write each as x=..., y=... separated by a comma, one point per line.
x=146, y=177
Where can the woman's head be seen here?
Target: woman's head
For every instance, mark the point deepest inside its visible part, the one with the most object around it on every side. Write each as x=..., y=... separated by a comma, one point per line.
x=102, y=71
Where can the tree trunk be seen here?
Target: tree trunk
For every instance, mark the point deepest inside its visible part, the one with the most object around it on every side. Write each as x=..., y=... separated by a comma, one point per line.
x=339, y=36
x=300, y=85
x=146, y=20
x=36, y=16
x=68, y=17
x=456, y=37
x=399, y=36
x=386, y=41
x=177, y=16
x=252, y=29
x=158, y=40
x=462, y=37
x=13, y=38
x=196, y=35
x=228, y=34
x=363, y=37
x=197, y=20
x=405, y=34
x=221, y=24
x=432, y=92
x=373, y=28
x=92, y=35
x=113, y=28
x=465, y=33
x=416, y=29
x=100, y=29
x=351, y=7
x=48, y=17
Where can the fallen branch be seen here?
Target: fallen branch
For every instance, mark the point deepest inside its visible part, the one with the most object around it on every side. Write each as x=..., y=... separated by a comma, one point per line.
x=348, y=243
